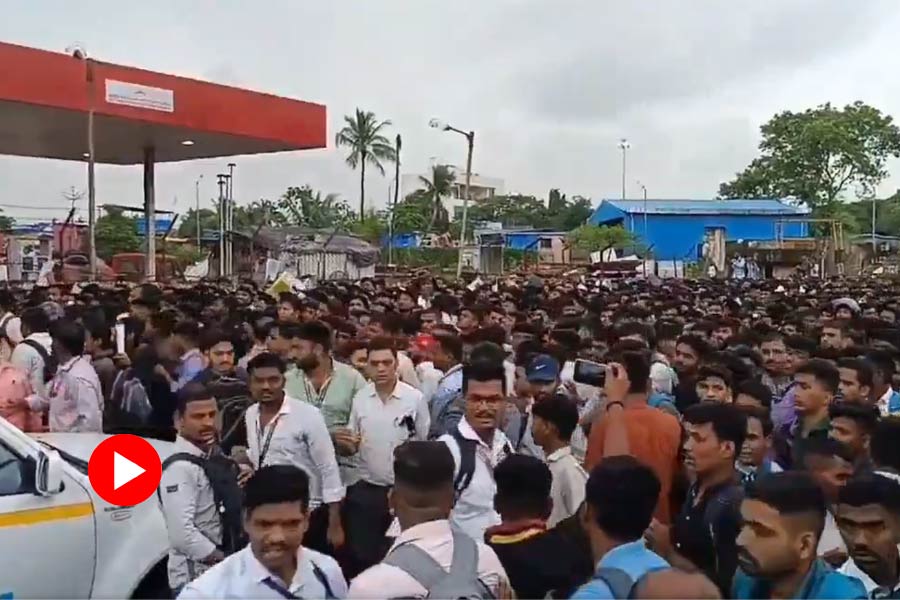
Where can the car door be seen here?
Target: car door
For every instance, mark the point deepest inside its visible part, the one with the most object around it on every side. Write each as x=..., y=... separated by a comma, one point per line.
x=48, y=542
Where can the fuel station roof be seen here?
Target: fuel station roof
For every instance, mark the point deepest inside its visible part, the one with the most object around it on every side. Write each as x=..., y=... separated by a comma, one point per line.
x=46, y=98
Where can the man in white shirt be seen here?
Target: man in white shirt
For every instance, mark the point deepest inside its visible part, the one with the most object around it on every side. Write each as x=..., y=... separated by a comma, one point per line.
x=385, y=413
x=422, y=499
x=553, y=421
x=421, y=350
x=28, y=355
x=274, y=564
x=477, y=446
x=286, y=431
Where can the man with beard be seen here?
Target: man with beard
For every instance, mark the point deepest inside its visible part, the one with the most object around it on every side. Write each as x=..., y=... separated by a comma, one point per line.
x=775, y=361
x=226, y=384
x=286, y=431
x=703, y=534
x=478, y=445
x=689, y=351
x=782, y=516
x=319, y=380
x=868, y=515
x=275, y=563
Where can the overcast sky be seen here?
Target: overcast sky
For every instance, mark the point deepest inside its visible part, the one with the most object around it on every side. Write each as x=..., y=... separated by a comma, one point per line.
x=549, y=86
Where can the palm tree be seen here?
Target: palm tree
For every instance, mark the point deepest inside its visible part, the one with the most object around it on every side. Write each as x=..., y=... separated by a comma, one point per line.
x=362, y=135
x=439, y=187
x=303, y=206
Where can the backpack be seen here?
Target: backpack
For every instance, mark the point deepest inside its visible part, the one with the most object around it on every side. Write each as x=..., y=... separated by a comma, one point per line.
x=50, y=362
x=222, y=473
x=459, y=583
x=134, y=400
x=467, y=450
x=618, y=581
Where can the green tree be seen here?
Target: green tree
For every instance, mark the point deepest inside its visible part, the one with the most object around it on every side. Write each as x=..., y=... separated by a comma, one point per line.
x=362, y=135
x=515, y=210
x=556, y=201
x=258, y=214
x=413, y=213
x=817, y=154
x=308, y=208
x=116, y=233
x=592, y=238
x=372, y=228
x=6, y=222
x=187, y=227
x=563, y=215
x=436, y=189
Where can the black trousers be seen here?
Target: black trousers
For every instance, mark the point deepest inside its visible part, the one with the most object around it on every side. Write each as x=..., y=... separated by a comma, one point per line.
x=366, y=518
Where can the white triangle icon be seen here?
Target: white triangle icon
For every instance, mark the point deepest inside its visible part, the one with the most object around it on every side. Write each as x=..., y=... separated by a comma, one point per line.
x=124, y=470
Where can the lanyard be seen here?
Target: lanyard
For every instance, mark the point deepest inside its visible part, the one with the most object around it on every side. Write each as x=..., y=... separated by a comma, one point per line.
x=264, y=446
x=320, y=396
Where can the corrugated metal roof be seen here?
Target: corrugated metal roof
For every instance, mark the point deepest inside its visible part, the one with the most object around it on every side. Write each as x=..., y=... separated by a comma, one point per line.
x=764, y=206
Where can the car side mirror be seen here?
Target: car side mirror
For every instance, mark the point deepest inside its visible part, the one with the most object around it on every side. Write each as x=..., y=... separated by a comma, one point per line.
x=48, y=477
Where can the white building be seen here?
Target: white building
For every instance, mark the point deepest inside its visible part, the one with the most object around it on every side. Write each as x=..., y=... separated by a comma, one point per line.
x=481, y=188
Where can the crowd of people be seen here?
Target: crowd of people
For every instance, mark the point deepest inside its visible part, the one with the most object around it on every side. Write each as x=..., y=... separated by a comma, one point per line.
x=430, y=438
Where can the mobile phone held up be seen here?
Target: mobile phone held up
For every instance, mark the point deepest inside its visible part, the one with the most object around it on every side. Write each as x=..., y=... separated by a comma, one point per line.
x=590, y=373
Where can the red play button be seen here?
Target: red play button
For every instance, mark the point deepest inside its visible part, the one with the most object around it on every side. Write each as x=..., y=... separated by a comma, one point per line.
x=125, y=470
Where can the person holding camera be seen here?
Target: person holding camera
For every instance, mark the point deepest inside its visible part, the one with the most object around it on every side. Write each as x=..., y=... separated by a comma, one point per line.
x=653, y=435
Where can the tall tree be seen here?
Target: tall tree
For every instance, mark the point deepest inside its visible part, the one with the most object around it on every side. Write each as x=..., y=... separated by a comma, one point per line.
x=817, y=154
x=303, y=206
x=362, y=135
x=436, y=189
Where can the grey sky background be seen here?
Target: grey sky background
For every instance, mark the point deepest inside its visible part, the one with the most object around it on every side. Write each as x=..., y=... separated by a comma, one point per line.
x=548, y=86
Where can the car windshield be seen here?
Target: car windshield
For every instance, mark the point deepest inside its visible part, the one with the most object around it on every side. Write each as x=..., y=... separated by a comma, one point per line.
x=76, y=462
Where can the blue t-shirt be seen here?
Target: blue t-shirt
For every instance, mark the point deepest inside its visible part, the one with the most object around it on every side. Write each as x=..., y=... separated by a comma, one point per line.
x=821, y=582
x=633, y=558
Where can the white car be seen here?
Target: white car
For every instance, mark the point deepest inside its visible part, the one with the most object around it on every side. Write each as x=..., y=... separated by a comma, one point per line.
x=59, y=538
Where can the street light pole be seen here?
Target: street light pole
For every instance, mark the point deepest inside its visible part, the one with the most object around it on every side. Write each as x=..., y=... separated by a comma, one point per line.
x=398, y=146
x=624, y=145
x=229, y=224
x=470, y=138
x=644, y=190
x=222, y=177
x=197, y=208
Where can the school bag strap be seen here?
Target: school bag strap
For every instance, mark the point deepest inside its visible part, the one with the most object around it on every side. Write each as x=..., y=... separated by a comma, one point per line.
x=618, y=581
x=466, y=471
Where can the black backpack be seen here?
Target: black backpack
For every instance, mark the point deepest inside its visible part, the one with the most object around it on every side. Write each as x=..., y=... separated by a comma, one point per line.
x=222, y=473
x=50, y=362
x=467, y=449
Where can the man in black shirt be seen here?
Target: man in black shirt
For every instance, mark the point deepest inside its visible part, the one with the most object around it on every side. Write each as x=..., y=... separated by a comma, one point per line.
x=689, y=351
x=537, y=561
x=703, y=535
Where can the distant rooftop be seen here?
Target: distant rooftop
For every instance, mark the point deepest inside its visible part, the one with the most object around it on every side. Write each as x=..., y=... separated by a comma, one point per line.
x=763, y=206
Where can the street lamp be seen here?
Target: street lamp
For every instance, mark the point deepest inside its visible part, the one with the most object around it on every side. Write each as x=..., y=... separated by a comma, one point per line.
x=624, y=146
x=197, y=209
x=470, y=138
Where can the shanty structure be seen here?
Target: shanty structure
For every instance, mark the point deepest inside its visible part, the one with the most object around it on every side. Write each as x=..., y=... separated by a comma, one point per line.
x=66, y=107
x=678, y=229
x=322, y=255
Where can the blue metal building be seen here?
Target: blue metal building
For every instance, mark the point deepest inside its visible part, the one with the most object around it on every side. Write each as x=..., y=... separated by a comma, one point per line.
x=675, y=229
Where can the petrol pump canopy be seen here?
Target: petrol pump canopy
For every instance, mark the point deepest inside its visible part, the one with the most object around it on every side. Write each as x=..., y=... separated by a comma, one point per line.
x=46, y=97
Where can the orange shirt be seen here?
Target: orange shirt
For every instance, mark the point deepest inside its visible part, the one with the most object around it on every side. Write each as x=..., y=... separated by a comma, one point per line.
x=654, y=437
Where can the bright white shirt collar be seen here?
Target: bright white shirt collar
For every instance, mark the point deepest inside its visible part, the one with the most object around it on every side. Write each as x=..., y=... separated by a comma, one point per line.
x=259, y=573
x=558, y=454
x=428, y=529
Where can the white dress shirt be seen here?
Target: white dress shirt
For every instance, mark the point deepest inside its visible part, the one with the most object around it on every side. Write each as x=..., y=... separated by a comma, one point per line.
x=436, y=539
x=567, y=488
x=297, y=436
x=384, y=425
x=241, y=575
x=474, y=510
x=407, y=371
x=429, y=378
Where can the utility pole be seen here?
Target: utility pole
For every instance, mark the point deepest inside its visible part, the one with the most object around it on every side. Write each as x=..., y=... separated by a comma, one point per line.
x=197, y=206
x=399, y=144
x=229, y=224
x=223, y=183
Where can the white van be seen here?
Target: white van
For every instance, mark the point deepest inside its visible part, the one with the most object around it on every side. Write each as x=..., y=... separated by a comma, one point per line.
x=59, y=538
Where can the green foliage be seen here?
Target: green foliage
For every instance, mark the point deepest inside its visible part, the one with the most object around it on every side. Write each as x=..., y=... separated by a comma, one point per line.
x=413, y=213
x=187, y=227
x=116, y=233
x=817, y=154
x=518, y=210
x=372, y=228
x=185, y=254
x=591, y=238
x=6, y=222
x=445, y=259
x=362, y=135
x=301, y=206
x=435, y=190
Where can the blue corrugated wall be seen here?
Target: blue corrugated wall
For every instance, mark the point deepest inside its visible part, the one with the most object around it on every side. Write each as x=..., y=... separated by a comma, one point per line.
x=678, y=237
